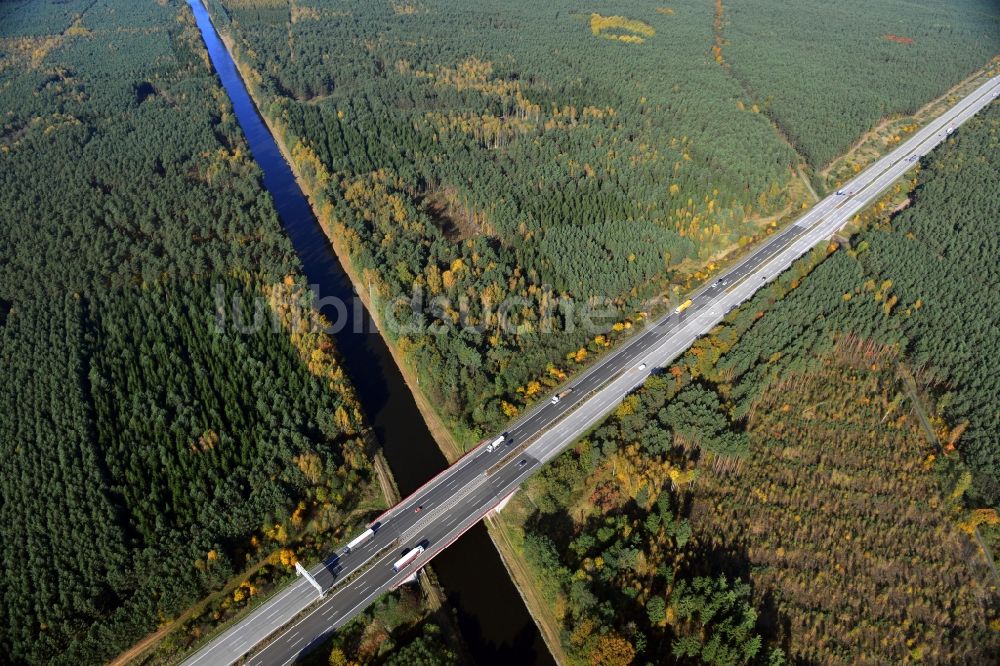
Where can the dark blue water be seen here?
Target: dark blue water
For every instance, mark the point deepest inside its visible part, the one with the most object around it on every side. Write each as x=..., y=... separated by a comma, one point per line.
x=494, y=622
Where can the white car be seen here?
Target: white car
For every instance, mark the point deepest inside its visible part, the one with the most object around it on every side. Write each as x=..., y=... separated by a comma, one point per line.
x=555, y=399
x=840, y=193
x=642, y=366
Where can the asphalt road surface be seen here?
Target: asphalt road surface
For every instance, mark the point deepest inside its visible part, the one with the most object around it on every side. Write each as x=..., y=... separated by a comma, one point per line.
x=447, y=505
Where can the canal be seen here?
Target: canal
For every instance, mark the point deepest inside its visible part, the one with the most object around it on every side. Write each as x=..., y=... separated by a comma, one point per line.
x=491, y=615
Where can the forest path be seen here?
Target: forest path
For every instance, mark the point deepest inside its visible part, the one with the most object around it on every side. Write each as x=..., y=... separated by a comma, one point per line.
x=910, y=385
x=805, y=180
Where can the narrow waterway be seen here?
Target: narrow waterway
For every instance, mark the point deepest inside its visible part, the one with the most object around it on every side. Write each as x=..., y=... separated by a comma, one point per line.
x=492, y=617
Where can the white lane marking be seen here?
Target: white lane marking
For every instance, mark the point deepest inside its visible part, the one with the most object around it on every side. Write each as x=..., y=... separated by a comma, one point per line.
x=321, y=607
x=245, y=625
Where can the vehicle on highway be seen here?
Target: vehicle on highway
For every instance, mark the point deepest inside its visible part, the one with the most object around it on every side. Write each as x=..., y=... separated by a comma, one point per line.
x=683, y=306
x=495, y=444
x=559, y=396
x=420, y=507
x=642, y=366
x=840, y=193
x=522, y=462
x=949, y=130
x=407, y=559
x=360, y=539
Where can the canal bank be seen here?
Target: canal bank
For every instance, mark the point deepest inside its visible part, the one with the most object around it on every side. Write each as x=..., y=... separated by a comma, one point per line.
x=492, y=617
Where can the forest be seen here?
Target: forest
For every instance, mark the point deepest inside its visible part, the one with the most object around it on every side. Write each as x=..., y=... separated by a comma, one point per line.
x=855, y=62
x=610, y=543
x=538, y=152
x=154, y=444
x=533, y=154
x=463, y=152
x=922, y=281
x=830, y=448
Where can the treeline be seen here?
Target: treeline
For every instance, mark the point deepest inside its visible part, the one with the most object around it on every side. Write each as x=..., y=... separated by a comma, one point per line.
x=496, y=153
x=826, y=72
x=153, y=440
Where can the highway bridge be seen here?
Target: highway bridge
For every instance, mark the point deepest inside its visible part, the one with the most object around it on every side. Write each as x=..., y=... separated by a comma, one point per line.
x=297, y=618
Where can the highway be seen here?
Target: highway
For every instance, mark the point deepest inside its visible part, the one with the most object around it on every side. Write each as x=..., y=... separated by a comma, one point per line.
x=295, y=619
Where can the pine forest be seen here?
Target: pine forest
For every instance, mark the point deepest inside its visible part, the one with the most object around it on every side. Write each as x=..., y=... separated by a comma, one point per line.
x=151, y=447
x=464, y=155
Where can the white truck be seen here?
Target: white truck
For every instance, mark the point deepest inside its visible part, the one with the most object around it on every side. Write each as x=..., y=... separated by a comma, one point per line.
x=407, y=559
x=495, y=444
x=360, y=539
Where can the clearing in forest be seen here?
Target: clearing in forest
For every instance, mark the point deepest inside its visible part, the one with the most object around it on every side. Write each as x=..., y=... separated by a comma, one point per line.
x=620, y=28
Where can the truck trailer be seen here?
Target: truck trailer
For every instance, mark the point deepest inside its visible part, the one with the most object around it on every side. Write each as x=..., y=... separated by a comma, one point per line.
x=559, y=396
x=407, y=559
x=360, y=539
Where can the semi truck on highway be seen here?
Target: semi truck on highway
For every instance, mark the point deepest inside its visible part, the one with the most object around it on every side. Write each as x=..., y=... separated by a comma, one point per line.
x=683, y=306
x=559, y=396
x=495, y=444
x=360, y=539
x=407, y=559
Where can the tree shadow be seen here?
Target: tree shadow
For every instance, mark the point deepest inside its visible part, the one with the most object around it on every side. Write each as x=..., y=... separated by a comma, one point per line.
x=732, y=560
x=558, y=526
